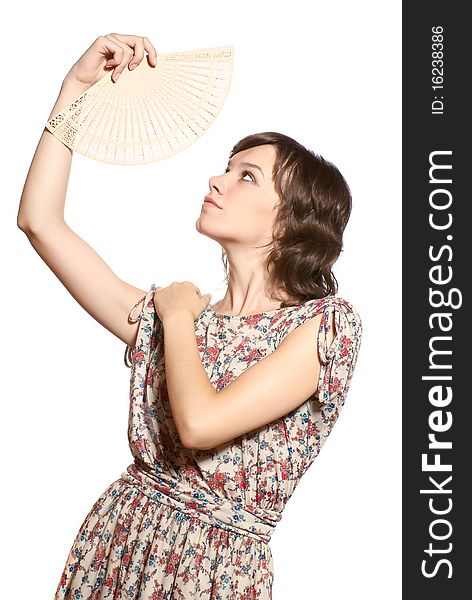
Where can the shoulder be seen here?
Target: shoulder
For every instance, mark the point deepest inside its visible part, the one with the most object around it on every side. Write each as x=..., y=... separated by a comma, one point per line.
x=333, y=309
x=333, y=301
x=347, y=311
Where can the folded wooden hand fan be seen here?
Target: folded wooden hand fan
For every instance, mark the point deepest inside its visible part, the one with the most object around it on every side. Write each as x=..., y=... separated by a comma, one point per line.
x=150, y=113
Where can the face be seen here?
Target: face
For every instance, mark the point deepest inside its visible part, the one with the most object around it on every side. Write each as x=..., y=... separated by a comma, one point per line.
x=247, y=199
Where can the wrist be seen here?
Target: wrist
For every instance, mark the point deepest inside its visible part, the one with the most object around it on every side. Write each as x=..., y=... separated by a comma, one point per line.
x=177, y=316
x=71, y=82
x=71, y=89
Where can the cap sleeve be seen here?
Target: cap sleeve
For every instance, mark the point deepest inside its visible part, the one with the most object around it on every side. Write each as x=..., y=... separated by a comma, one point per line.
x=338, y=349
x=133, y=317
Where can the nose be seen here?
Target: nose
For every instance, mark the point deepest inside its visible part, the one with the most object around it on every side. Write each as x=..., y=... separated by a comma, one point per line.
x=217, y=182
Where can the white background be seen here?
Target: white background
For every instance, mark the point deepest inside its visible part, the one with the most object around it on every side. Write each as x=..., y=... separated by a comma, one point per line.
x=327, y=74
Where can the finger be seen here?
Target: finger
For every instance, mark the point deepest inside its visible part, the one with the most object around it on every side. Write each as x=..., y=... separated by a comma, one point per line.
x=152, y=53
x=122, y=58
x=132, y=40
x=113, y=48
x=138, y=54
x=135, y=43
x=118, y=52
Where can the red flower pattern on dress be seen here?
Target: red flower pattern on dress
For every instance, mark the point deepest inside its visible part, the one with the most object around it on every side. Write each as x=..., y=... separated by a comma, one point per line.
x=156, y=532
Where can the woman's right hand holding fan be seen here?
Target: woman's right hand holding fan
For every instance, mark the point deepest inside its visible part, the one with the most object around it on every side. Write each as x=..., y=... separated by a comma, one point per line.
x=113, y=51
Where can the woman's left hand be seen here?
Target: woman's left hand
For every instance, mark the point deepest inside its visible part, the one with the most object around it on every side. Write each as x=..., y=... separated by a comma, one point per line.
x=180, y=297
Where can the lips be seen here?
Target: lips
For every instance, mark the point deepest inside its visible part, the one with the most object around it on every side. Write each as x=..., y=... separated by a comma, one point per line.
x=210, y=199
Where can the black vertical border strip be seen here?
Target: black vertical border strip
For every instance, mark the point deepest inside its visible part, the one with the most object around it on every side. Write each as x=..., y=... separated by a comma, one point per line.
x=428, y=254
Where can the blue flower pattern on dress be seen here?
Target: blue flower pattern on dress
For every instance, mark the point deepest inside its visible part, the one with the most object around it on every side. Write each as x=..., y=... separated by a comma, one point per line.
x=182, y=523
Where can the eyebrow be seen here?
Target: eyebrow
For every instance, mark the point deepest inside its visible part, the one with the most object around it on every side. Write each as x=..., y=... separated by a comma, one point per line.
x=247, y=164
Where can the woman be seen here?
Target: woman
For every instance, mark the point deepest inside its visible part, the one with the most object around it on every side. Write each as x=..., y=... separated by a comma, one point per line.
x=220, y=438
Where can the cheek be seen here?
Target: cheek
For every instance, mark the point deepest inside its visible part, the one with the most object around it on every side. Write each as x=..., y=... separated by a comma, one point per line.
x=257, y=222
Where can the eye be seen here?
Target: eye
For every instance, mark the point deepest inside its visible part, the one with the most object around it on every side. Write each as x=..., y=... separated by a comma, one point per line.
x=244, y=173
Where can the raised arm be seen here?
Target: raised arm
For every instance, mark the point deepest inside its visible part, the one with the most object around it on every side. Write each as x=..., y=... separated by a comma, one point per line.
x=88, y=278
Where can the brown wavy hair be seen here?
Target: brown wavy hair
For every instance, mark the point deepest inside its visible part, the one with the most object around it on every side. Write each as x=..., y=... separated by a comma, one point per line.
x=313, y=211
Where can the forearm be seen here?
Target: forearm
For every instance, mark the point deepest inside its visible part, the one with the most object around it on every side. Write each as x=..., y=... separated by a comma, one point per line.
x=43, y=197
x=191, y=393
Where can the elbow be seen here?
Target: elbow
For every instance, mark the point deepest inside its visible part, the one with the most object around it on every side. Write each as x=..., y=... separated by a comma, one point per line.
x=23, y=220
x=186, y=441
x=36, y=230
x=21, y=225
x=199, y=430
x=26, y=228
x=187, y=438
x=194, y=439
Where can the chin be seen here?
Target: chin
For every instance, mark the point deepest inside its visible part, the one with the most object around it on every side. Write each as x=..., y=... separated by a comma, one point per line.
x=202, y=229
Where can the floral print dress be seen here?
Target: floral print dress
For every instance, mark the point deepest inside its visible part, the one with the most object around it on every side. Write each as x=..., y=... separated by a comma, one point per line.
x=182, y=523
